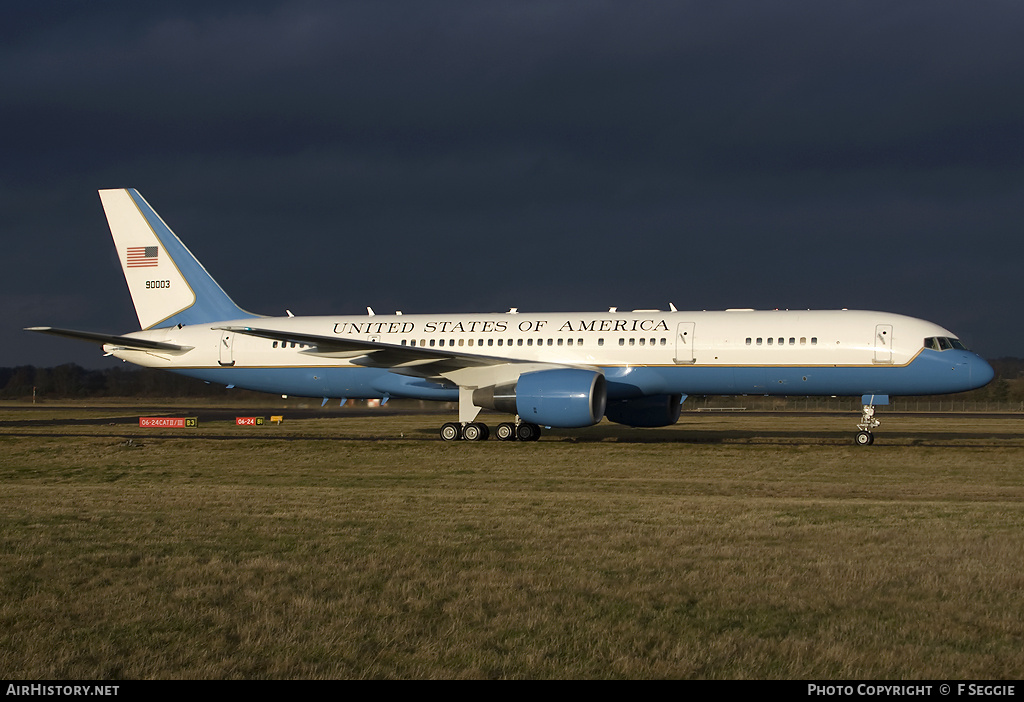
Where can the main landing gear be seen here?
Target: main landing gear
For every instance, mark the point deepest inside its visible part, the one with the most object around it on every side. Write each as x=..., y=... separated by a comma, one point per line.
x=478, y=431
x=864, y=437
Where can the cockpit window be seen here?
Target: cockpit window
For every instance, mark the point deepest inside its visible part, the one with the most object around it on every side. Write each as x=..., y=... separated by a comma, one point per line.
x=943, y=343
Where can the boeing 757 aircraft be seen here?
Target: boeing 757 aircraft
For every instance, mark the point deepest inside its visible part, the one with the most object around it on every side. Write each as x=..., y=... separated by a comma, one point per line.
x=548, y=370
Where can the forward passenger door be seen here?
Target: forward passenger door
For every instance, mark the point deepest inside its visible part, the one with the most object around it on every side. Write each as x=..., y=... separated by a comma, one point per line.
x=883, y=343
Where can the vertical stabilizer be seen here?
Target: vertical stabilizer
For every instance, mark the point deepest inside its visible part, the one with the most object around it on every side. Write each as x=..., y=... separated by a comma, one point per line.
x=168, y=285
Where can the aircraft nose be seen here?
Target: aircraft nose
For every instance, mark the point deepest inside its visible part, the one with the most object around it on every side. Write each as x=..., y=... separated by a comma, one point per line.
x=980, y=371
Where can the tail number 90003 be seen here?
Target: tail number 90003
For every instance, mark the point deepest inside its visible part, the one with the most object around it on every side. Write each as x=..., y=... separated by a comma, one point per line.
x=156, y=284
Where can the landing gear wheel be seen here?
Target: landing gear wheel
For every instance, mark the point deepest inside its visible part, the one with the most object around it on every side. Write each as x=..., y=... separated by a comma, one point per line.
x=864, y=438
x=475, y=432
x=527, y=432
x=451, y=431
x=868, y=421
x=506, y=431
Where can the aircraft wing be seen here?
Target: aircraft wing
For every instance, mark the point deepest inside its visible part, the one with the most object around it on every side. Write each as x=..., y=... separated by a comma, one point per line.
x=124, y=342
x=418, y=361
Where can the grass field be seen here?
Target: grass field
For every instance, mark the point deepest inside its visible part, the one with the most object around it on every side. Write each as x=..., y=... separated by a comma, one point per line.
x=354, y=547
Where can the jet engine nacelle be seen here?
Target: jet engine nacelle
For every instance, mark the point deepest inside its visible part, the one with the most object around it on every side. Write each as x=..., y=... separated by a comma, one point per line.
x=562, y=397
x=650, y=411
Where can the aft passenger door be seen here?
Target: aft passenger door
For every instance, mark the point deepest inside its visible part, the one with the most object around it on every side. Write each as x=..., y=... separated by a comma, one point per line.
x=684, y=343
x=227, y=341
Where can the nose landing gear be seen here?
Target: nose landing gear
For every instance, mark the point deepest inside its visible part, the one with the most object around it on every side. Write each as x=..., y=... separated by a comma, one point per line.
x=864, y=437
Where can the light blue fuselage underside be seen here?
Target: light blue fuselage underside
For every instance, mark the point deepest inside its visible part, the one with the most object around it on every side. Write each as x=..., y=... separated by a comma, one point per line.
x=923, y=376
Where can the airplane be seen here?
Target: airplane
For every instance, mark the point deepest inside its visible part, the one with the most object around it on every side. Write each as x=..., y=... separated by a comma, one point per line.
x=558, y=370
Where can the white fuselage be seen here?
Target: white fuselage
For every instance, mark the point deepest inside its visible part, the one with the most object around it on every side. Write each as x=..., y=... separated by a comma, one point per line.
x=616, y=339
x=778, y=352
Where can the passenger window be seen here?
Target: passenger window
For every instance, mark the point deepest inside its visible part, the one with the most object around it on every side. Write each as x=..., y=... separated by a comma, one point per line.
x=814, y=340
x=769, y=341
x=803, y=340
x=758, y=341
x=792, y=340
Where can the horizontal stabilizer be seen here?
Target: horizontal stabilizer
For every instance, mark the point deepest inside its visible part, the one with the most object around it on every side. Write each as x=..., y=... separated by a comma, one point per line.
x=126, y=342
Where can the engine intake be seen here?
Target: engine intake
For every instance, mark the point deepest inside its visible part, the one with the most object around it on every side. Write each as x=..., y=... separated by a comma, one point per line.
x=563, y=397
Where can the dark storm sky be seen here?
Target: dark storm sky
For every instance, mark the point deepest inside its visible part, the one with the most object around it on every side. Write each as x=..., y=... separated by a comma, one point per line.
x=473, y=156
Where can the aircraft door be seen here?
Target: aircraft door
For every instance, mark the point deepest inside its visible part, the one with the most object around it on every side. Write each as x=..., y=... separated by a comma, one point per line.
x=684, y=343
x=883, y=343
x=227, y=341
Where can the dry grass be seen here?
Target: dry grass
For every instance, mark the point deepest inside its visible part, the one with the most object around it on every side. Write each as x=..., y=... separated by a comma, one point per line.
x=736, y=547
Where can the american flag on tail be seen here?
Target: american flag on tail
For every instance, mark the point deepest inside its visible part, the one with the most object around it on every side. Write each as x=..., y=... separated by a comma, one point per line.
x=142, y=256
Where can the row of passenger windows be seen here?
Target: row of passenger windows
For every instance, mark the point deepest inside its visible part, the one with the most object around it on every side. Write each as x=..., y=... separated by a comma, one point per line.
x=479, y=342
x=781, y=341
x=496, y=342
x=532, y=342
x=759, y=341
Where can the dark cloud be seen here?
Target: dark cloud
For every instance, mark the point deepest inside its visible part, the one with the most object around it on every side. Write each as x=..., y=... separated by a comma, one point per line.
x=546, y=155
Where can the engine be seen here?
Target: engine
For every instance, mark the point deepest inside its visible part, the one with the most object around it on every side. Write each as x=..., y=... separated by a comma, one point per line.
x=563, y=397
x=650, y=411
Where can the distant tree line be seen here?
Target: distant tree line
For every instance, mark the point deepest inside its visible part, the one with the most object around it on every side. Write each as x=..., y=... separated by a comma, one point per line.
x=72, y=381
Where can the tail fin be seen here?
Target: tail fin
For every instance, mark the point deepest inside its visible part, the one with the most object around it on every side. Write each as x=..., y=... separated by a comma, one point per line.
x=168, y=285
